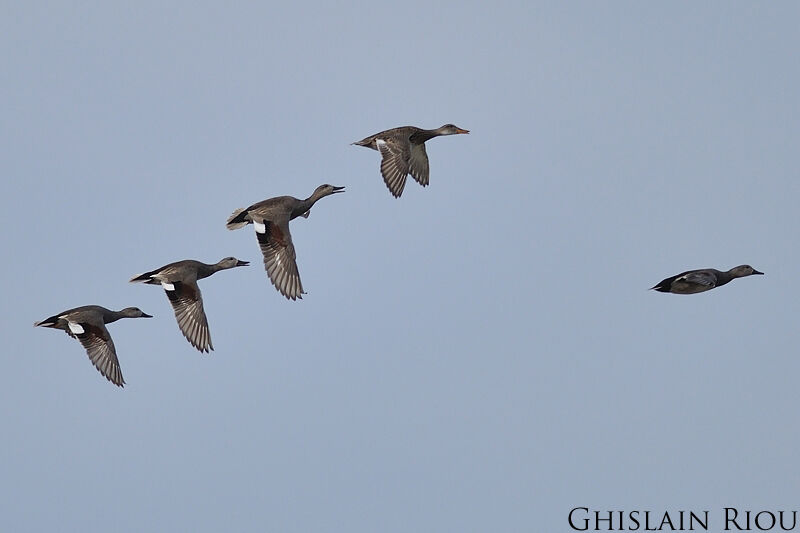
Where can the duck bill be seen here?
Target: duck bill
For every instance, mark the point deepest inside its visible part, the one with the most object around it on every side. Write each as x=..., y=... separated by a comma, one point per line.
x=459, y=130
x=240, y=263
x=757, y=272
x=337, y=189
x=145, y=315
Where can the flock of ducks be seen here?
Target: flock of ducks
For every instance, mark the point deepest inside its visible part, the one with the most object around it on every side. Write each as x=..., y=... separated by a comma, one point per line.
x=402, y=153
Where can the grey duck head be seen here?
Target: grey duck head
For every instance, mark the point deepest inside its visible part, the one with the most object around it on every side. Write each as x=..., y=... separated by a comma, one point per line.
x=326, y=190
x=743, y=270
x=231, y=262
x=450, y=129
x=134, y=312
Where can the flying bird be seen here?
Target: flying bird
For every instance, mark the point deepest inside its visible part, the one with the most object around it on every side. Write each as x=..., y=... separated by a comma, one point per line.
x=271, y=221
x=403, y=151
x=88, y=325
x=694, y=281
x=179, y=281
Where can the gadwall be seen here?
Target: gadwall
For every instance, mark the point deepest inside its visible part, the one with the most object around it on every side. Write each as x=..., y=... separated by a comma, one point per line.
x=705, y=279
x=403, y=151
x=88, y=325
x=179, y=281
x=271, y=221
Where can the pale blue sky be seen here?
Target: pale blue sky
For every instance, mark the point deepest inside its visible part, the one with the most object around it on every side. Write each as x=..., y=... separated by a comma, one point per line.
x=481, y=355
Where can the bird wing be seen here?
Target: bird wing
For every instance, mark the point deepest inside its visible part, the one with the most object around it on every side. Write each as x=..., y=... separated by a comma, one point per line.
x=279, y=257
x=418, y=166
x=100, y=349
x=395, y=156
x=706, y=279
x=187, y=302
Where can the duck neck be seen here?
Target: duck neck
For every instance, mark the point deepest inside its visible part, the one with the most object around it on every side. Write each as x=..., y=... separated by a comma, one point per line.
x=113, y=316
x=303, y=206
x=421, y=136
x=724, y=277
x=204, y=270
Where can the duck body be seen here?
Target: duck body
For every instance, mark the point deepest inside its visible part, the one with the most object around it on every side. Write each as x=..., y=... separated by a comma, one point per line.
x=410, y=134
x=88, y=325
x=270, y=218
x=403, y=152
x=701, y=280
x=185, y=270
x=179, y=280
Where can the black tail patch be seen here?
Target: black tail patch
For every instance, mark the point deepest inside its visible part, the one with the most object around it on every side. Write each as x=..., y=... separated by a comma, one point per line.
x=50, y=322
x=239, y=218
x=665, y=285
x=146, y=278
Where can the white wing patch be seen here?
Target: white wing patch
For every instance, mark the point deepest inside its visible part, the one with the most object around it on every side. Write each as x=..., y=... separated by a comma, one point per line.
x=260, y=227
x=168, y=286
x=75, y=328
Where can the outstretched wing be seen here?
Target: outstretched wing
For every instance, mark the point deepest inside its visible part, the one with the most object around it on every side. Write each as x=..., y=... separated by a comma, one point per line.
x=395, y=156
x=100, y=349
x=418, y=166
x=187, y=302
x=279, y=257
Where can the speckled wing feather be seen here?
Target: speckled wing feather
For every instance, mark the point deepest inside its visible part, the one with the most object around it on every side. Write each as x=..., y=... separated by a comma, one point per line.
x=279, y=258
x=187, y=302
x=418, y=164
x=100, y=349
x=394, y=163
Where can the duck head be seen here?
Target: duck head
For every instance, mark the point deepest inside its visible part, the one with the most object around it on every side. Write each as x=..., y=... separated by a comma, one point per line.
x=744, y=270
x=326, y=190
x=450, y=129
x=134, y=312
x=231, y=262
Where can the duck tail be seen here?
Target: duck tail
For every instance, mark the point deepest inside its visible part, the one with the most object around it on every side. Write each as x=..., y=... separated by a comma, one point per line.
x=238, y=219
x=663, y=286
x=147, y=277
x=364, y=142
x=47, y=322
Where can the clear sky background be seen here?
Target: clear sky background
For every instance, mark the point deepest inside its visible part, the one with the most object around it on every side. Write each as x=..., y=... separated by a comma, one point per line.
x=480, y=355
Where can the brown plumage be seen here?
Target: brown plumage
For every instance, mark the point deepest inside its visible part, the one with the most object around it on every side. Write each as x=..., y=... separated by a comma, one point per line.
x=403, y=152
x=179, y=281
x=271, y=221
x=88, y=325
x=701, y=280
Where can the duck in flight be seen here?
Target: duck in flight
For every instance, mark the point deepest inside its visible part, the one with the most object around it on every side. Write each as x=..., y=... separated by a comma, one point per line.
x=403, y=152
x=705, y=279
x=179, y=281
x=270, y=218
x=88, y=325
